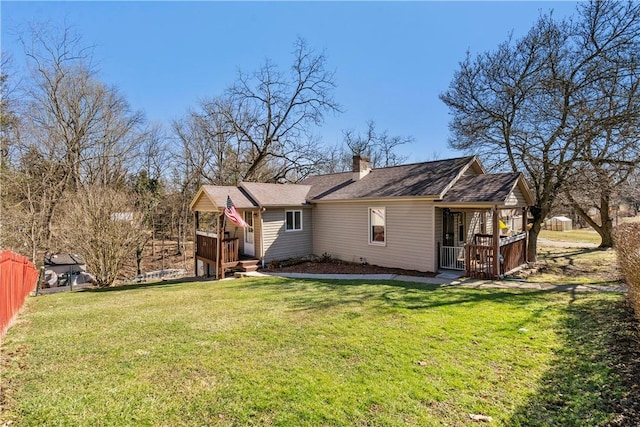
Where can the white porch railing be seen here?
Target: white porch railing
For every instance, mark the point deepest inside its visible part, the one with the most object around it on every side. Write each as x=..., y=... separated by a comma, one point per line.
x=452, y=257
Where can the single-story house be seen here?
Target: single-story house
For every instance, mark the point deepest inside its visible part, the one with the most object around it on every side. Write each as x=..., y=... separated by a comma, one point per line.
x=429, y=216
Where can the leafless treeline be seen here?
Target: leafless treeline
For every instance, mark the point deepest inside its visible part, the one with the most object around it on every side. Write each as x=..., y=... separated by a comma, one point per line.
x=74, y=152
x=562, y=104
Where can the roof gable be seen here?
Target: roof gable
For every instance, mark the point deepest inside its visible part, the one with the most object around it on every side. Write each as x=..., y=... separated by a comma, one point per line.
x=217, y=196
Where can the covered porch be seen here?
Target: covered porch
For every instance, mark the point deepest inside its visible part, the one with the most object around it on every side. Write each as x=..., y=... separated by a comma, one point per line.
x=472, y=238
x=481, y=227
x=220, y=244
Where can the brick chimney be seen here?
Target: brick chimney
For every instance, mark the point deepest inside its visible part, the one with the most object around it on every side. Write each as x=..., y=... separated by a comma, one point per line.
x=361, y=167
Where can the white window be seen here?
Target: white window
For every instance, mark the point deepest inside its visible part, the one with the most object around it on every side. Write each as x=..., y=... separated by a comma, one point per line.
x=377, y=226
x=293, y=220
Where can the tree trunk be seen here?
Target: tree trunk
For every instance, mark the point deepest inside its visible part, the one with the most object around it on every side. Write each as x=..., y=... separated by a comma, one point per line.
x=532, y=246
x=606, y=229
x=139, y=250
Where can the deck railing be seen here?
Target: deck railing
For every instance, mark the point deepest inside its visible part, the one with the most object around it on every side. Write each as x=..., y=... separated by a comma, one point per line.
x=206, y=249
x=230, y=249
x=452, y=257
x=479, y=256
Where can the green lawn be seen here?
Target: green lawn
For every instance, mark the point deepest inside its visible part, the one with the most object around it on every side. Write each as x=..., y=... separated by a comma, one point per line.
x=296, y=353
x=584, y=235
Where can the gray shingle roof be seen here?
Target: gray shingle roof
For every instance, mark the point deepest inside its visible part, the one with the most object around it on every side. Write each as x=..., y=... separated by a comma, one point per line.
x=277, y=194
x=219, y=193
x=321, y=184
x=419, y=179
x=429, y=179
x=494, y=187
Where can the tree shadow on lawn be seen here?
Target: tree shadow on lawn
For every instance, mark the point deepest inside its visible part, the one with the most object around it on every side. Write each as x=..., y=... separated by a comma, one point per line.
x=314, y=294
x=143, y=285
x=570, y=254
x=595, y=379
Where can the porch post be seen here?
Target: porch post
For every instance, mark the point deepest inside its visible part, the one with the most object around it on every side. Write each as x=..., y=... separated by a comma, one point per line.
x=526, y=233
x=218, y=246
x=496, y=242
x=196, y=225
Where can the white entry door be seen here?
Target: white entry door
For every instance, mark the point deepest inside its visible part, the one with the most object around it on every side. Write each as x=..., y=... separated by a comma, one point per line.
x=249, y=247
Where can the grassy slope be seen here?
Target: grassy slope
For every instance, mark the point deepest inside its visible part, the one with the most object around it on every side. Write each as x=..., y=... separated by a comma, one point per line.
x=572, y=266
x=585, y=235
x=276, y=351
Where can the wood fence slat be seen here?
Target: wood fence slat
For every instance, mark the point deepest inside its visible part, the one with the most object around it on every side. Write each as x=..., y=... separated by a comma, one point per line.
x=18, y=277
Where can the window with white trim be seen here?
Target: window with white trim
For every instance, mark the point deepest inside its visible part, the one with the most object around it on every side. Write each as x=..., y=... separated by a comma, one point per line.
x=377, y=226
x=293, y=220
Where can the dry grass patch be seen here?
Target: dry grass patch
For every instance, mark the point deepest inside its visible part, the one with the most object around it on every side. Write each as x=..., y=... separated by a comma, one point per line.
x=576, y=266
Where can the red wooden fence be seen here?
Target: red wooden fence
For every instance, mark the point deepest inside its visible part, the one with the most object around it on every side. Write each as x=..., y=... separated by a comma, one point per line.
x=18, y=277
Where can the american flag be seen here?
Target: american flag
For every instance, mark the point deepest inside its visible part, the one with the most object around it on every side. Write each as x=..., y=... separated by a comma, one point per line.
x=232, y=213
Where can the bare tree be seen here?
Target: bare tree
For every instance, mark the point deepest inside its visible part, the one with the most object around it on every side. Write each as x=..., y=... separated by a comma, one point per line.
x=379, y=147
x=609, y=117
x=9, y=114
x=630, y=191
x=76, y=130
x=523, y=106
x=261, y=128
x=210, y=148
x=101, y=224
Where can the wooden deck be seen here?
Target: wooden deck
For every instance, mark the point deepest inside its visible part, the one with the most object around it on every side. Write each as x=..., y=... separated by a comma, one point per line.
x=479, y=256
x=207, y=250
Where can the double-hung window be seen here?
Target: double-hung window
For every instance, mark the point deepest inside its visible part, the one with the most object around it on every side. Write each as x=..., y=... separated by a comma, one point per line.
x=377, y=226
x=293, y=220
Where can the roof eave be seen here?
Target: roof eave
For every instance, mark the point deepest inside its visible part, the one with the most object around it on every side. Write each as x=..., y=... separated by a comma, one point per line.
x=429, y=198
x=483, y=204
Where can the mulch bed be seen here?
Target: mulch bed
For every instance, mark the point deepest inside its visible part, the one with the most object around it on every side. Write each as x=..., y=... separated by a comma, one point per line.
x=341, y=267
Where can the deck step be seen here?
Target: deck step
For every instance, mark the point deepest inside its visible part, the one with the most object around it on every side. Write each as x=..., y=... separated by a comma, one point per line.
x=248, y=265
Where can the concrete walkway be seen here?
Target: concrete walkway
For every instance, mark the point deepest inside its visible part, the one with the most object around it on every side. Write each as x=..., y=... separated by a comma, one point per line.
x=443, y=280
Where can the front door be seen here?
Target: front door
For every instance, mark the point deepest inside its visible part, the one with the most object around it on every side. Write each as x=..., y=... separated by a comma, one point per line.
x=249, y=247
x=452, y=249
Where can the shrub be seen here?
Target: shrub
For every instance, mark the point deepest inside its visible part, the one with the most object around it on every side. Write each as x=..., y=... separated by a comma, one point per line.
x=628, y=251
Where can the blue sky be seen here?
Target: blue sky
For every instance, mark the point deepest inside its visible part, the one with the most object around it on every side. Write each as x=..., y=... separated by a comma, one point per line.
x=392, y=59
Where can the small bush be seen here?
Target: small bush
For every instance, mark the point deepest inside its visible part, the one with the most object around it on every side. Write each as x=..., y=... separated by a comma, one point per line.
x=628, y=250
x=325, y=257
x=275, y=264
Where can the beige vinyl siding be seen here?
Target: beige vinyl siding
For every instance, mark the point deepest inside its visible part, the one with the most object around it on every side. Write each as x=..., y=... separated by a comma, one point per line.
x=235, y=231
x=473, y=224
x=470, y=171
x=204, y=204
x=516, y=198
x=342, y=231
x=280, y=244
x=438, y=232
